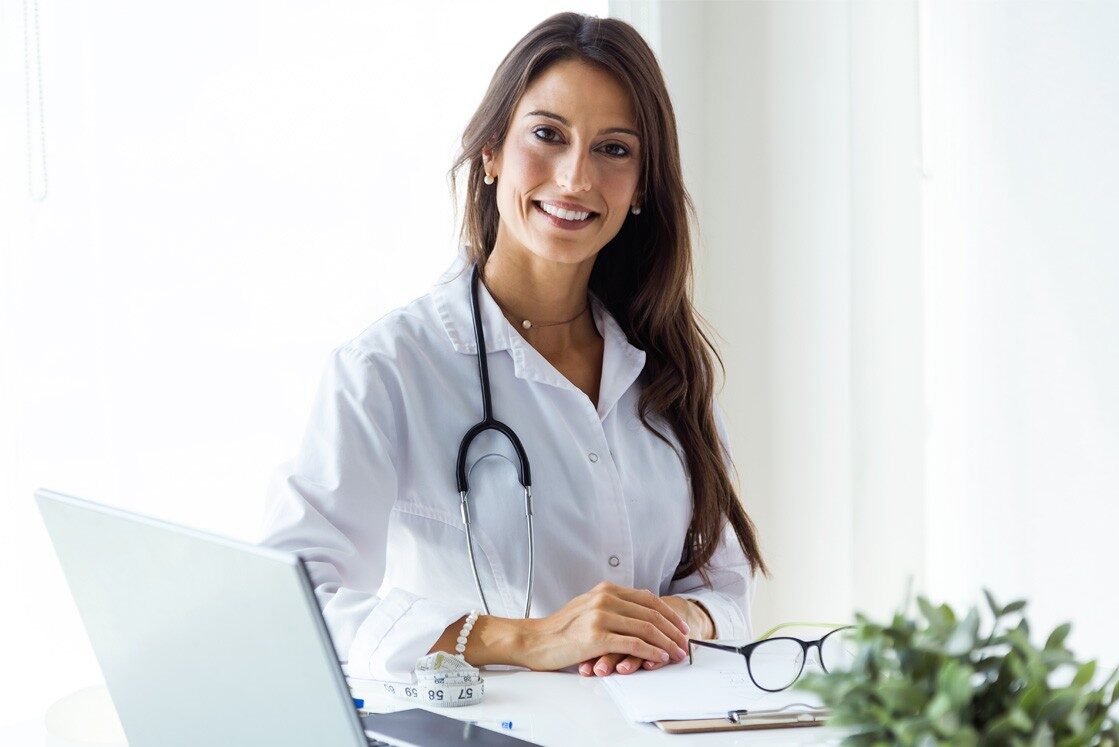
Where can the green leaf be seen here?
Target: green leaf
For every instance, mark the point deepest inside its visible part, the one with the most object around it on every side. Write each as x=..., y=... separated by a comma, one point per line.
x=1084, y=674
x=1016, y=606
x=962, y=639
x=902, y=696
x=1058, y=636
x=938, y=706
x=1043, y=737
x=1058, y=706
x=1031, y=696
x=1077, y=723
x=1006, y=725
x=931, y=613
x=954, y=681
x=995, y=610
x=1020, y=720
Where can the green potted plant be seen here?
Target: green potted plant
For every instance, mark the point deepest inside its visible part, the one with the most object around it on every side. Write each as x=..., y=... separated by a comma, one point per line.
x=937, y=680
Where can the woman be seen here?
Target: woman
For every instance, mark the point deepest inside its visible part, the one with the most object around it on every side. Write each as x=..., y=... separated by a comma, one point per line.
x=576, y=225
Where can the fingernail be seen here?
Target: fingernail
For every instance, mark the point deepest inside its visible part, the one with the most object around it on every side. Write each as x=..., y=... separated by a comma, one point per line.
x=686, y=628
x=601, y=670
x=649, y=665
x=680, y=653
x=664, y=656
x=623, y=667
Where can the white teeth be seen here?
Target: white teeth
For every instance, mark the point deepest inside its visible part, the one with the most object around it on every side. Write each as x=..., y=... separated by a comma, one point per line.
x=565, y=214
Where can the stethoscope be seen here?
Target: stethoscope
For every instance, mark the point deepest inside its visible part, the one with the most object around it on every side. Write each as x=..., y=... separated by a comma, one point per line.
x=489, y=423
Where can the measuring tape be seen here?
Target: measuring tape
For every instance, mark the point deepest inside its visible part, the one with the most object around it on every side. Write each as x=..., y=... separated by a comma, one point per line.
x=442, y=680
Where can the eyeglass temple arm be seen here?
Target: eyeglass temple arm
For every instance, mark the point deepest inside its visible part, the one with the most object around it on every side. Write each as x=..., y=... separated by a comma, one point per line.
x=774, y=629
x=709, y=644
x=720, y=646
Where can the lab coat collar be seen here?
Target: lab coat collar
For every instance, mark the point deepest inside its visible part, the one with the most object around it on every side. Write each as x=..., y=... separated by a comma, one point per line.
x=452, y=301
x=622, y=363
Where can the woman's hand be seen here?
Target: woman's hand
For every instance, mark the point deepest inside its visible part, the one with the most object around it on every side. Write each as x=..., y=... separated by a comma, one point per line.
x=608, y=619
x=625, y=664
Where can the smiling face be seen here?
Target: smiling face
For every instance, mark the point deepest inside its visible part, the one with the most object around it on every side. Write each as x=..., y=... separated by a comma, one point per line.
x=572, y=139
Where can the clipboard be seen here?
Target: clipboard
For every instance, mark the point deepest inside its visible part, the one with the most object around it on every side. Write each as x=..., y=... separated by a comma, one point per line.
x=745, y=720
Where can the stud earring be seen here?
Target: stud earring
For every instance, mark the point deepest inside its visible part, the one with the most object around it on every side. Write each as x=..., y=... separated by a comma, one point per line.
x=488, y=179
x=635, y=210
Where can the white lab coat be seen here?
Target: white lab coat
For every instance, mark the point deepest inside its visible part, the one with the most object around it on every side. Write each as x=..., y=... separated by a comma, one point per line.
x=371, y=504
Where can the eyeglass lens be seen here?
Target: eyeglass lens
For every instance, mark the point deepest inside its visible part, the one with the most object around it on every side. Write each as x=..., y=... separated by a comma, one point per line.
x=837, y=650
x=777, y=663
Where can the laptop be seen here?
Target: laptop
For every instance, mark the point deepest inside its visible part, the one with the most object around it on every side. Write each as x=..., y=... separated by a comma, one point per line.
x=206, y=640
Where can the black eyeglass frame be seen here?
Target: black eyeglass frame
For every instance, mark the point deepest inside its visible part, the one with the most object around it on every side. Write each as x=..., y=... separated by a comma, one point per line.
x=748, y=649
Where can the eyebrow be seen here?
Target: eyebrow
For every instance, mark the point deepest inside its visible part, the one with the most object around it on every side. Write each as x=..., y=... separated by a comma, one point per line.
x=566, y=123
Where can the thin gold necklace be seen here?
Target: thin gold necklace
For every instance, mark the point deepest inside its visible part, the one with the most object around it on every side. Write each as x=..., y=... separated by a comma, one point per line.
x=526, y=324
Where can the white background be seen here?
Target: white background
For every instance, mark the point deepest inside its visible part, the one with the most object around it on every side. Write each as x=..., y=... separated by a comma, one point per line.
x=908, y=249
x=233, y=189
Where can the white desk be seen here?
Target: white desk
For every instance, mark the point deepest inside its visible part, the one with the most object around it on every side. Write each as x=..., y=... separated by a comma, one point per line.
x=582, y=712
x=558, y=709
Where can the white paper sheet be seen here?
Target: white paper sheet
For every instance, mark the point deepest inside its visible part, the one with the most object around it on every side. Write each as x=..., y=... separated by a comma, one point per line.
x=715, y=683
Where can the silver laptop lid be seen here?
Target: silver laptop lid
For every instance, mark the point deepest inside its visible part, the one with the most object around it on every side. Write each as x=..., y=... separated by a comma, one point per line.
x=202, y=639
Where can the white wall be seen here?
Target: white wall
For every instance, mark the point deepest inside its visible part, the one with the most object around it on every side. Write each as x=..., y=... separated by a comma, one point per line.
x=1022, y=351
x=909, y=248
x=232, y=190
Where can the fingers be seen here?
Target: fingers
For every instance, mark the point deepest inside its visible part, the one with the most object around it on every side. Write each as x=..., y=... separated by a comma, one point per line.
x=606, y=664
x=634, y=646
x=631, y=637
x=628, y=623
x=646, y=598
x=601, y=667
x=651, y=626
x=628, y=665
x=643, y=605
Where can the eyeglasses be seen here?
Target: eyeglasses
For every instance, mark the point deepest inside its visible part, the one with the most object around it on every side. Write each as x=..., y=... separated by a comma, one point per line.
x=776, y=663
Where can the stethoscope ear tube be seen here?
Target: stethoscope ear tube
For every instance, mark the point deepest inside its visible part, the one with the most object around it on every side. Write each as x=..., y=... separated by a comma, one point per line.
x=489, y=423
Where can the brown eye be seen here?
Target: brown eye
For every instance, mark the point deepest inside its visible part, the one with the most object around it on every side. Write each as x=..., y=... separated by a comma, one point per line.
x=545, y=129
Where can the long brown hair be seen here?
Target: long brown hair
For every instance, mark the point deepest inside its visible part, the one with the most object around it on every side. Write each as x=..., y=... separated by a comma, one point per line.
x=644, y=274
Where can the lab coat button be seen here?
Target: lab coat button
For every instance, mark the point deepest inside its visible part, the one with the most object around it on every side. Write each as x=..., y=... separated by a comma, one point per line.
x=592, y=456
x=614, y=561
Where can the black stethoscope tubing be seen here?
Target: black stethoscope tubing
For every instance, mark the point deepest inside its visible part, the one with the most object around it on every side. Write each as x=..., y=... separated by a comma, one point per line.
x=488, y=423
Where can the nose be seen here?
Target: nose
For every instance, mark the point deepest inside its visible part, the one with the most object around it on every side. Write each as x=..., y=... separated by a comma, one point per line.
x=574, y=173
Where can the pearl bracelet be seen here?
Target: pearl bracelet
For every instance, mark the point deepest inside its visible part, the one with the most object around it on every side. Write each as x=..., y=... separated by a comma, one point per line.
x=460, y=646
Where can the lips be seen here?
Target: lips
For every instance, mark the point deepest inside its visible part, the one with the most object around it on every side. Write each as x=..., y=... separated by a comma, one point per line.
x=563, y=223
x=540, y=205
x=573, y=207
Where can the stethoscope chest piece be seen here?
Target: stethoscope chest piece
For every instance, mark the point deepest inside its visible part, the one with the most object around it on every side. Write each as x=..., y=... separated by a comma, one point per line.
x=488, y=423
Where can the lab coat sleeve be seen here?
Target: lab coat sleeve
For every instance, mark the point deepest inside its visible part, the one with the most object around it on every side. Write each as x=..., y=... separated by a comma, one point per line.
x=728, y=598
x=331, y=506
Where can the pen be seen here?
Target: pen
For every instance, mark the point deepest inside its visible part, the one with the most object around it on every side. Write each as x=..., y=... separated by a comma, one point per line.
x=505, y=725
